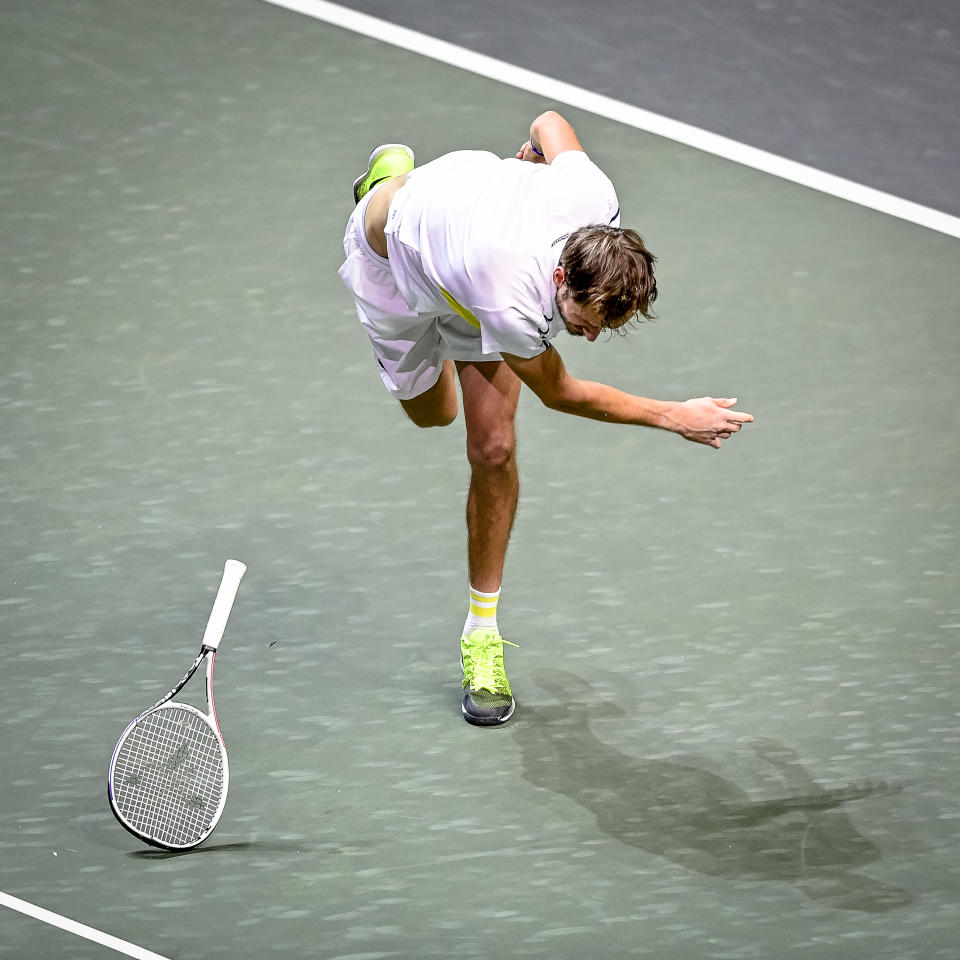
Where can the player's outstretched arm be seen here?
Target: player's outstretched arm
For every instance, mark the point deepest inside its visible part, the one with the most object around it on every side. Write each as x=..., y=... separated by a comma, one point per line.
x=550, y=135
x=706, y=420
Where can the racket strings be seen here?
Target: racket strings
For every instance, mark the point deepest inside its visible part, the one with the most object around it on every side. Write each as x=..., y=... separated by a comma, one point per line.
x=168, y=777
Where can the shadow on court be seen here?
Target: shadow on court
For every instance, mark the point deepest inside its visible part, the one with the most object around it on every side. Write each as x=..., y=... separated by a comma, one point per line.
x=206, y=848
x=102, y=829
x=698, y=819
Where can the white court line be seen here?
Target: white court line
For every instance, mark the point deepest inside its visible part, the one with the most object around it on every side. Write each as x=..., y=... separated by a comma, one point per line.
x=80, y=929
x=602, y=106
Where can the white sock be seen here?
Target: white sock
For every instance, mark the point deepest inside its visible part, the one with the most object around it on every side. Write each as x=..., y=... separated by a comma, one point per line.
x=482, y=612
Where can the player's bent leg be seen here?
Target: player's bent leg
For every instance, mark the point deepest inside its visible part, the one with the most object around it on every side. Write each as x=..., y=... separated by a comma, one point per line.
x=378, y=209
x=438, y=406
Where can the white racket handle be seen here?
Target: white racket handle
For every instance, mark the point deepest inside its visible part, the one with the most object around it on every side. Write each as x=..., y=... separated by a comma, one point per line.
x=233, y=572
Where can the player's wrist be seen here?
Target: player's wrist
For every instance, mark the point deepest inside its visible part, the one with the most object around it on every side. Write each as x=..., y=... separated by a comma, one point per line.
x=666, y=415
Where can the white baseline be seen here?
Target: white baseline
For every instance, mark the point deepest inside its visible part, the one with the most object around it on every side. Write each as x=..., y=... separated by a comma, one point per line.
x=602, y=106
x=80, y=929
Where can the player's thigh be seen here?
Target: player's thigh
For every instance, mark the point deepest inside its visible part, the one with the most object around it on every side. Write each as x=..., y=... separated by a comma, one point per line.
x=491, y=392
x=437, y=406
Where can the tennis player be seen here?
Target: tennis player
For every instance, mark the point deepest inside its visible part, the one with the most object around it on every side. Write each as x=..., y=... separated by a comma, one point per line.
x=467, y=268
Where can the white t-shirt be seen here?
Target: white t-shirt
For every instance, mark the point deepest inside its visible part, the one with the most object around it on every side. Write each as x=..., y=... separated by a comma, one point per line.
x=482, y=234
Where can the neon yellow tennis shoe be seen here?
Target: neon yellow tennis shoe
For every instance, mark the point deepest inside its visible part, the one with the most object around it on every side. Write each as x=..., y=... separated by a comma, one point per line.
x=388, y=160
x=488, y=699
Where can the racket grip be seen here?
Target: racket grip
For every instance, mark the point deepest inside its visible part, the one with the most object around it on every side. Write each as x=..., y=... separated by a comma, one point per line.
x=233, y=572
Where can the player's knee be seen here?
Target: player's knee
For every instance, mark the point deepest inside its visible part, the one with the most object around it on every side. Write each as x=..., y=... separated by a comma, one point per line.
x=491, y=451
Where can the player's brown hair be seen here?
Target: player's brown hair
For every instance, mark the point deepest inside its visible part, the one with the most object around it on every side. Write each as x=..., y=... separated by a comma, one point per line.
x=611, y=270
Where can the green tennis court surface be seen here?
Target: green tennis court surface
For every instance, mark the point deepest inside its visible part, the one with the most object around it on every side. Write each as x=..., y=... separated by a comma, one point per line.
x=737, y=678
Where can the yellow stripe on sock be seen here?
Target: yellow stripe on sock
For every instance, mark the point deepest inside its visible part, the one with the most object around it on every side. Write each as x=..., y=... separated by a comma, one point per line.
x=483, y=605
x=462, y=311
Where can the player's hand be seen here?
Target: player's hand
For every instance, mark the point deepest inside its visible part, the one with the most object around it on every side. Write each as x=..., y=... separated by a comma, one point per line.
x=709, y=420
x=526, y=152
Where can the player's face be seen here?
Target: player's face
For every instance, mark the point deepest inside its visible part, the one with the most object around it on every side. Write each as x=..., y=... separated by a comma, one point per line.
x=579, y=320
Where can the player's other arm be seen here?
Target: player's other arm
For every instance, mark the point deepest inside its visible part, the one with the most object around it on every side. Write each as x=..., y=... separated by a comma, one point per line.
x=704, y=420
x=550, y=135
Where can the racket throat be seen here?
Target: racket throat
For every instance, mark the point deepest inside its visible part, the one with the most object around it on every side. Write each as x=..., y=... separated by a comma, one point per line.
x=211, y=706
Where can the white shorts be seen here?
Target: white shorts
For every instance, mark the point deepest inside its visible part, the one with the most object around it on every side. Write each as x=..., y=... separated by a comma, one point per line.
x=410, y=347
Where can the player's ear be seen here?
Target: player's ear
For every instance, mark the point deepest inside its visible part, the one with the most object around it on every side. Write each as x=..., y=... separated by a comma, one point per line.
x=559, y=275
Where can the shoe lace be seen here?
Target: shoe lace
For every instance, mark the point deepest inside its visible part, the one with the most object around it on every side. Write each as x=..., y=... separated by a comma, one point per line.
x=483, y=663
